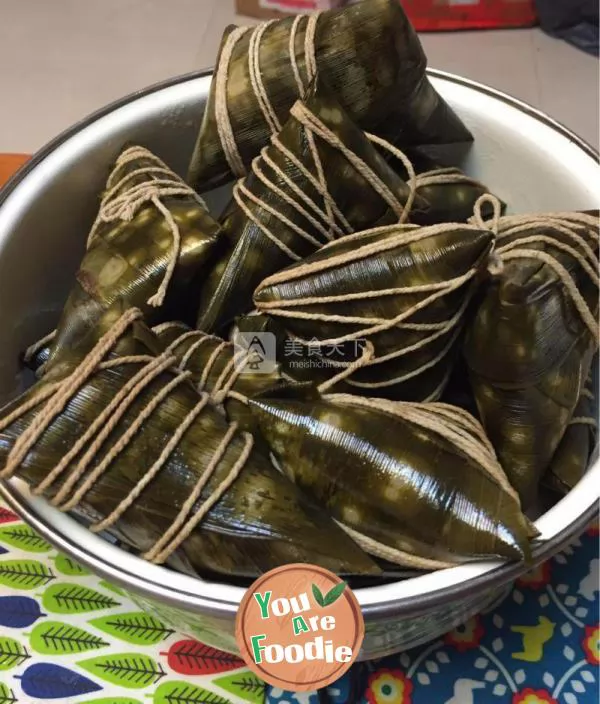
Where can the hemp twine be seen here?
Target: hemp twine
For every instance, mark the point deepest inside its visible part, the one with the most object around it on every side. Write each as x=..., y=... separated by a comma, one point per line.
x=73, y=465
x=222, y=115
x=327, y=220
x=124, y=198
x=518, y=227
x=373, y=325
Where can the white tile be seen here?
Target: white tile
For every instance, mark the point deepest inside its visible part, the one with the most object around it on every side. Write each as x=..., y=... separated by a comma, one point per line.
x=569, y=85
x=62, y=59
x=503, y=59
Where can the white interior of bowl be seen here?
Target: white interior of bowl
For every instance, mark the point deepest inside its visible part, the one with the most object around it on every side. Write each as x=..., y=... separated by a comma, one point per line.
x=524, y=158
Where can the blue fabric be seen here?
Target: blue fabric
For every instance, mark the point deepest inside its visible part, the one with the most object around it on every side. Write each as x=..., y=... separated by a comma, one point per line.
x=539, y=646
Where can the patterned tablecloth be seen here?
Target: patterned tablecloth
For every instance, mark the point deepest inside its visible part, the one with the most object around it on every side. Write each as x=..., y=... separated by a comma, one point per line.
x=66, y=635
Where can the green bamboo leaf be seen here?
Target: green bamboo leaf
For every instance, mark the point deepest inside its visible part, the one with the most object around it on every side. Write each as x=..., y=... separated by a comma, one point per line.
x=180, y=692
x=334, y=594
x=318, y=595
x=69, y=567
x=7, y=696
x=135, y=627
x=12, y=653
x=111, y=587
x=130, y=670
x=245, y=685
x=22, y=536
x=57, y=638
x=112, y=700
x=24, y=574
x=68, y=598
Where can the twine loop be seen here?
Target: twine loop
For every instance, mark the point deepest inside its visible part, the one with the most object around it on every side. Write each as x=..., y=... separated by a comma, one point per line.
x=125, y=197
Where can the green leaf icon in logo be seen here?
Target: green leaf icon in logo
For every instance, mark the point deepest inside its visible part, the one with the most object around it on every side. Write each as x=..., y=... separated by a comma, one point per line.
x=136, y=627
x=12, y=653
x=332, y=595
x=21, y=536
x=180, y=692
x=245, y=685
x=130, y=670
x=69, y=567
x=67, y=598
x=56, y=638
x=318, y=595
x=7, y=696
x=24, y=574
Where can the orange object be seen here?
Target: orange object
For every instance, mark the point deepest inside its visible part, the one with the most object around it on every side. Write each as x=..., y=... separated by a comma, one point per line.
x=9, y=163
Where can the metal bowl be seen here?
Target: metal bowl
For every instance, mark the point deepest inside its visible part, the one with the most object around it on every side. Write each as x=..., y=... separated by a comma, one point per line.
x=529, y=160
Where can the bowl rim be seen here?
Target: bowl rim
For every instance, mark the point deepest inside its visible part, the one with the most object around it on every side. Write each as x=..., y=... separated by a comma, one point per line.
x=483, y=575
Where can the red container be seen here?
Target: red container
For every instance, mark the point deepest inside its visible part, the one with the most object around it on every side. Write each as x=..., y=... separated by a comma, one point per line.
x=438, y=15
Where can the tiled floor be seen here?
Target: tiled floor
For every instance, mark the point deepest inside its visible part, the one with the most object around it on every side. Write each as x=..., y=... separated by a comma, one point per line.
x=62, y=59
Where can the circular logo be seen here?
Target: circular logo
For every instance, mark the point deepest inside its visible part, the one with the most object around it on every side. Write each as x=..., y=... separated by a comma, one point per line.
x=299, y=627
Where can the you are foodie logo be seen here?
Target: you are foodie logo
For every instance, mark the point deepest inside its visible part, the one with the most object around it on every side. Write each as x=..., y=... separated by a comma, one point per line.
x=299, y=627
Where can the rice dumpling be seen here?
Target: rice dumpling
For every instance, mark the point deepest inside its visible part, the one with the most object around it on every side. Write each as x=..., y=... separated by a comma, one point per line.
x=449, y=193
x=321, y=178
x=123, y=439
x=402, y=288
x=530, y=345
x=229, y=372
x=368, y=52
x=571, y=459
x=151, y=240
x=416, y=484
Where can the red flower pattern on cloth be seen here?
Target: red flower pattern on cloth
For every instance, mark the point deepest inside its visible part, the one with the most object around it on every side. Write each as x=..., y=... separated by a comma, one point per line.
x=594, y=530
x=389, y=687
x=536, y=578
x=591, y=644
x=533, y=696
x=466, y=637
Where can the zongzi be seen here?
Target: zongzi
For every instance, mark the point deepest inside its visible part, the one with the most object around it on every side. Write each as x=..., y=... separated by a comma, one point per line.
x=530, y=345
x=368, y=52
x=122, y=438
x=229, y=371
x=403, y=288
x=321, y=178
x=449, y=193
x=571, y=459
x=150, y=242
x=415, y=484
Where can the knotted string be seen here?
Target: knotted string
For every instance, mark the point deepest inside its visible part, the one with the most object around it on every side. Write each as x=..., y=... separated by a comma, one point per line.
x=234, y=362
x=457, y=427
x=523, y=233
x=222, y=115
x=327, y=219
x=370, y=326
x=73, y=465
x=124, y=198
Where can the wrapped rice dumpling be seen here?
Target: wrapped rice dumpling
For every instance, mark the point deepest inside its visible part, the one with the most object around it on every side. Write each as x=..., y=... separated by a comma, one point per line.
x=449, y=193
x=151, y=240
x=319, y=179
x=416, y=484
x=227, y=371
x=530, y=346
x=368, y=52
x=571, y=459
x=402, y=288
x=123, y=439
